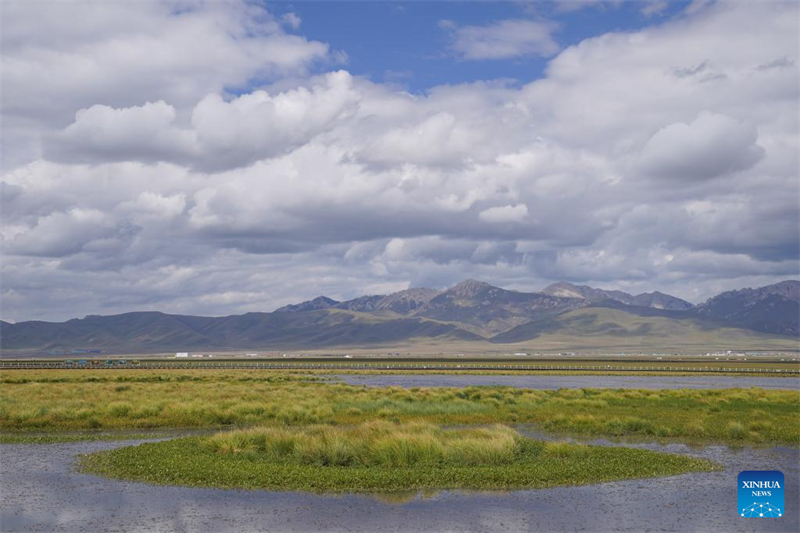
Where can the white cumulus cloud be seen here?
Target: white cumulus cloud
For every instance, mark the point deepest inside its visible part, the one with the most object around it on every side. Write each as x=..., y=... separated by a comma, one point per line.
x=504, y=214
x=709, y=146
x=203, y=160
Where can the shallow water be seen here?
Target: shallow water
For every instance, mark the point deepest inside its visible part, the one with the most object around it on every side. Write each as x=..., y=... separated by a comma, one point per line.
x=567, y=382
x=41, y=492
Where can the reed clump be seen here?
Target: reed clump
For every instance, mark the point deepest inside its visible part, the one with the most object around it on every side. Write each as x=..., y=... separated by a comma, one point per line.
x=373, y=444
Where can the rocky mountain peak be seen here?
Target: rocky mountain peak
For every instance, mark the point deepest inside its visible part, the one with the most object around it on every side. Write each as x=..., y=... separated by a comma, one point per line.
x=320, y=302
x=656, y=300
x=469, y=288
x=562, y=289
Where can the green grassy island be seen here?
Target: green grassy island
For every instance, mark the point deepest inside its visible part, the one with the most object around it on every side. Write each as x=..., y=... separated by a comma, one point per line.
x=380, y=457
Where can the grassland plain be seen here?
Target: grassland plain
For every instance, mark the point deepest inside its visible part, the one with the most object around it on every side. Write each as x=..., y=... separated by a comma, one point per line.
x=380, y=457
x=58, y=401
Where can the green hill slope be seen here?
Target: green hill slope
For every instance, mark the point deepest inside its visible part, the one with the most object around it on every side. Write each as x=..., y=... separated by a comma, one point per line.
x=160, y=332
x=603, y=327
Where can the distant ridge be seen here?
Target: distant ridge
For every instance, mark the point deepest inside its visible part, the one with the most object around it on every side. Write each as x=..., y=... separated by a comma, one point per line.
x=488, y=310
x=155, y=332
x=402, y=302
x=657, y=300
x=771, y=309
x=469, y=311
x=320, y=302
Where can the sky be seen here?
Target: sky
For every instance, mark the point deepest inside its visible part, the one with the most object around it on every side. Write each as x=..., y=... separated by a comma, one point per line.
x=216, y=158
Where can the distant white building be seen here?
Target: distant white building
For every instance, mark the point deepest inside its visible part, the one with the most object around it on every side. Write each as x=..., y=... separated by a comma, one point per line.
x=182, y=354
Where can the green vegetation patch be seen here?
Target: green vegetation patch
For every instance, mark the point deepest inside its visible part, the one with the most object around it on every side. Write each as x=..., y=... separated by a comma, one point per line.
x=381, y=457
x=107, y=400
x=56, y=438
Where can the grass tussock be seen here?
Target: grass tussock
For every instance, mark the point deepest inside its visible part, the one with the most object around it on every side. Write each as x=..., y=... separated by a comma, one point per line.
x=373, y=444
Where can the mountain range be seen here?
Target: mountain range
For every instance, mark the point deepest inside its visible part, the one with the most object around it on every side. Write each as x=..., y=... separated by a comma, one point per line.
x=562, y=315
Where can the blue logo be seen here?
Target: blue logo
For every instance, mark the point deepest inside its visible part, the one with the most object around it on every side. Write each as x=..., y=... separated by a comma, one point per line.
x=761, y=494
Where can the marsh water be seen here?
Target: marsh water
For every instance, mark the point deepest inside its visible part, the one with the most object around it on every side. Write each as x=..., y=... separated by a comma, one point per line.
x=567, y=382
x=41, y=491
